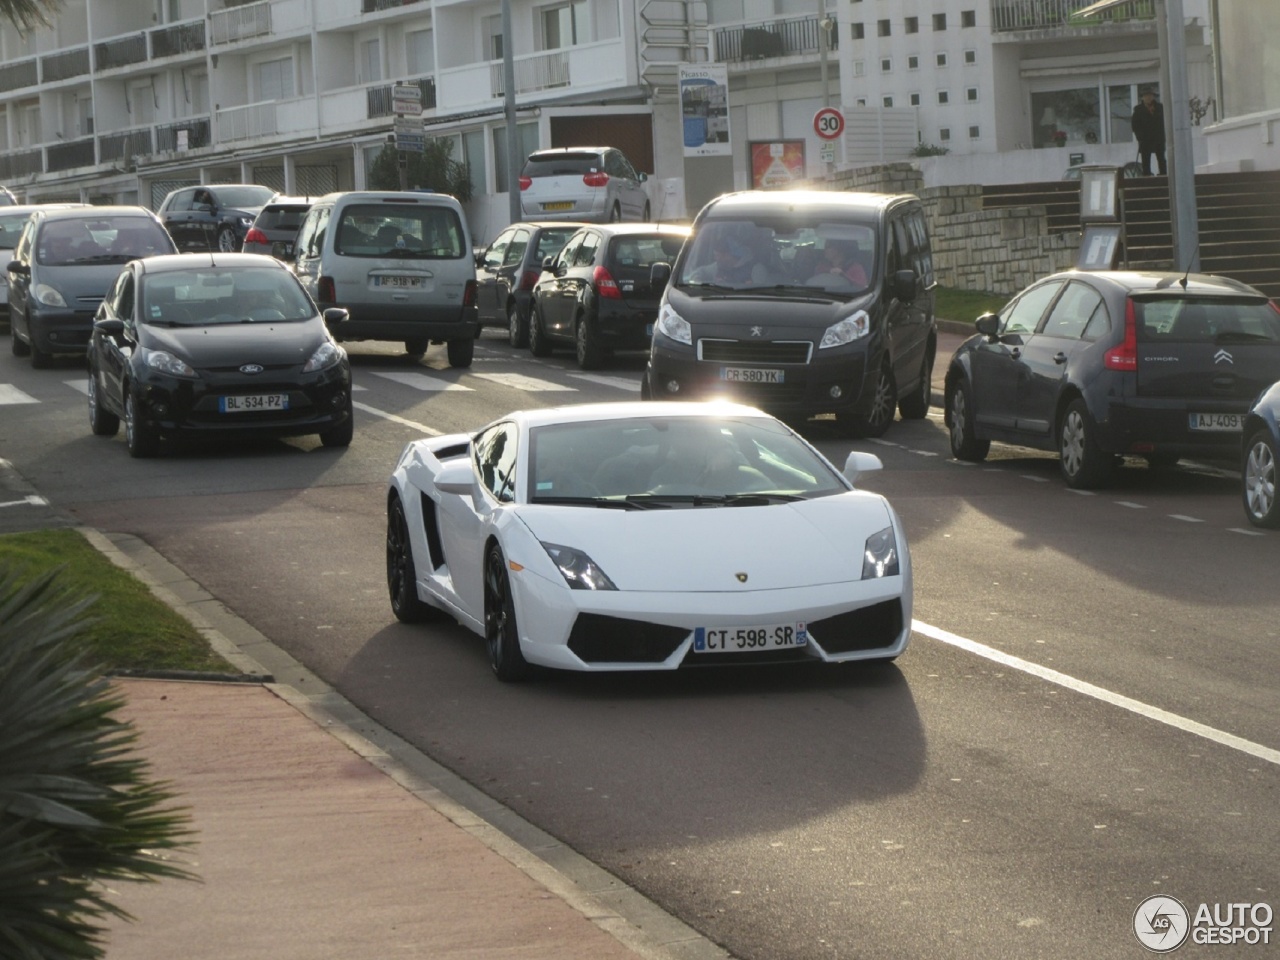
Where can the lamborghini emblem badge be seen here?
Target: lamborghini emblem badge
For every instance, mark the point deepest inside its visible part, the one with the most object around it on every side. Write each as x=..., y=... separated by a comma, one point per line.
x=742, y=577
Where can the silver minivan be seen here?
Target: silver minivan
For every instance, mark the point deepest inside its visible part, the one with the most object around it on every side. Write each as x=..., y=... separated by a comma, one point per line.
x=400, y=263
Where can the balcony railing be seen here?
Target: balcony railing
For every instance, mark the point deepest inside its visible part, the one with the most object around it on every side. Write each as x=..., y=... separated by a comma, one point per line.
x=15, y=76
x=546, y=71
x=240, y=23
x=249, y=122
x=373, y=6
x=21, y=163
x=1009, y=15
x=168, y=135
x=67, y=156
x=120, y=52
x=379, y=100
x=65, y=64
x=179, y=38
x=120, y=146
x=777, y=38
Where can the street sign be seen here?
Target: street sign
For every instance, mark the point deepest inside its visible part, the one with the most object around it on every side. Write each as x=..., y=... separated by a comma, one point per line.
x=406, y=99
x=407, y=126
x=828, y=123
x=827, y=152
x=410, y=144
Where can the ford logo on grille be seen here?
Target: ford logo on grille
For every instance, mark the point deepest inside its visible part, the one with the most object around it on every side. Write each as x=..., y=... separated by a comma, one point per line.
x=252, y=368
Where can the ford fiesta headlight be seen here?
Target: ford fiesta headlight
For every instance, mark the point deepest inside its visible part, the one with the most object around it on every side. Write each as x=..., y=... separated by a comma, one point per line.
x=847, y=330
x=578, y=570
x=326, y=356
x=165, y=362
x=48, y=295
x=670, y=324
x=880, y=555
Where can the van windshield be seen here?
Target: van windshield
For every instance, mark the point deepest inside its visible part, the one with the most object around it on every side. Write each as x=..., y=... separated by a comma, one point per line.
x=826, y=256
x=406, y=231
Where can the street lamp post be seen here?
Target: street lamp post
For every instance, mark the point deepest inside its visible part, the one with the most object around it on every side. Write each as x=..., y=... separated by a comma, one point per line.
x=509, y=105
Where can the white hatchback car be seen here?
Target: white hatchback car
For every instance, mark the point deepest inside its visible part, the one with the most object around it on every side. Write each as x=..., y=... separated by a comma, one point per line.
x=590, y=184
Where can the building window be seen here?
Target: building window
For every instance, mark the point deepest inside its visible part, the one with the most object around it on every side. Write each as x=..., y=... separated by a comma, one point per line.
x=370, y=61
x=915, y=99
x=419, y=52
x=939, y=21
x=861, y=101
x=565, y=26
x=273, y=80
x=492, y=27
x=886, y=65
x=944, y=134
x=913, y=63
x=974, y=133
x=859, y=68
x=1075, y=112
x=968, y=18
x=858, y=30
x=971, y=95
x=944, y=97
x=888, y=101
x=971, y=56
x=942, y=59
x=913, y=25
x=884, y=28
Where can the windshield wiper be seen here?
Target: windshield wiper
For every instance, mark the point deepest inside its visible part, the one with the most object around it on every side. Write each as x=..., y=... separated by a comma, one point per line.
x=1239, y=336
x=602, y=502
x=759, y=499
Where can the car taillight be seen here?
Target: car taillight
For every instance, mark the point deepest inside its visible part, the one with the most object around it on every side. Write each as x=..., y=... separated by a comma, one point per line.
x=528, y=279
x=526, y=183
x=605, y=285
x=1275, y=306
x=256, y=236
x=328, y=293
x=469, y=294
x=598, y=179
x=1125, y=356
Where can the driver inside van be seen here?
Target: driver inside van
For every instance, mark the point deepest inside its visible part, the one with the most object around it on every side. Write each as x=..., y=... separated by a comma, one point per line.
x=840, y=261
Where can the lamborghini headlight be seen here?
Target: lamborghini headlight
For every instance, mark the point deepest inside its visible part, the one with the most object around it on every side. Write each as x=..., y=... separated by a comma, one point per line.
x=880, y=555
x=578, y=570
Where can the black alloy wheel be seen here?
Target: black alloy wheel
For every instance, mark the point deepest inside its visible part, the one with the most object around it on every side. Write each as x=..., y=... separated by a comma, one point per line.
x=539, y=345
x=590, y=353
x=964, y=445
x=227, y=242
x=141, y=439
x=916, y=406
x=517, y=330
x=501, y=632
x=874, y=421
x=102, y=421
x=402, y=575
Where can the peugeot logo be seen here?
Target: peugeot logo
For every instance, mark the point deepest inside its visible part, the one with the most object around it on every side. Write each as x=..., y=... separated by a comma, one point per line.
x=252, y=368
x=757, y=331
x=1222, y=357
x=742, y=577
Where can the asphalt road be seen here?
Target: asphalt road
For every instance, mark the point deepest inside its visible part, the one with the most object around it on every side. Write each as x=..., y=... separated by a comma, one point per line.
x=1088, y=714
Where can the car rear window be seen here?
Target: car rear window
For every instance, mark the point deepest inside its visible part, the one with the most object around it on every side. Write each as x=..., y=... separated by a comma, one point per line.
x=409, y=231
x=1205, y=319
x=551, y=242
x=282, y=218
x=562, y=165
x=640, y=252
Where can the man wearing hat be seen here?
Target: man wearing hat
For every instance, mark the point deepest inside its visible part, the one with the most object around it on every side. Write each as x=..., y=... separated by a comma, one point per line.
x=1148, y=127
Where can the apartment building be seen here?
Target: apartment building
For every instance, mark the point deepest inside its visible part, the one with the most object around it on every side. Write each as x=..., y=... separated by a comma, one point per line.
x=124, y=101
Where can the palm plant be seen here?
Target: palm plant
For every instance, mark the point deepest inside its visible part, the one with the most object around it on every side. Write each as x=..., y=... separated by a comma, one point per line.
x=78, y=809
x=28, y=14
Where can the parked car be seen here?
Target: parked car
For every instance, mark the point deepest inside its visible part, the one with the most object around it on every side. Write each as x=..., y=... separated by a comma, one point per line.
x=1261, y=434
x=591, y=184
x=213, y=216
x=275, y=227
x=196, y=345
x=65, y=261
x=400, y=263
x=508, y=268
x=596, y=293
x=803, y=303
x=627, y=536
x=12, y=219
x=1097, y=365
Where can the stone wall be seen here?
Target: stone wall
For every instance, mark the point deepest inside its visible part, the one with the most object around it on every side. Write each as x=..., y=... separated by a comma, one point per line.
x=999, y=251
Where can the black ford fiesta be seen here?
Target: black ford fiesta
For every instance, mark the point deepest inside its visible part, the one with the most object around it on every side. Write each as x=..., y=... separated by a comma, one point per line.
x=192, y=345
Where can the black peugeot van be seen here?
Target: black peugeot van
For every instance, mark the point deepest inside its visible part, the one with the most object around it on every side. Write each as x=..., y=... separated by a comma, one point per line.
x=801, y=303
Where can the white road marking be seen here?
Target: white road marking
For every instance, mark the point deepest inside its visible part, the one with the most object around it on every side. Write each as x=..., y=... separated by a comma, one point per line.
x=519, y=381
x=11, y=394
x=1130, y=504
x=31, y=500
x=1033, y=479
x=1247, y=533
x=1100, y=693
x=421, y=427
x=1185, y=519
x=79, y=386
x=1082, y=493
x=633, y=386
x=420, y=381
x=356, y=387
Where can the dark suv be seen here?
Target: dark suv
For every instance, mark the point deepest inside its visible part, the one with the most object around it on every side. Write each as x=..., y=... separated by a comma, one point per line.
x=278, y=223
x=213, y=216
x=596, y=293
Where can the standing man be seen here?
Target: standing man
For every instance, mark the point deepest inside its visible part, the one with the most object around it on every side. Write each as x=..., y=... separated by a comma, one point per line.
x=1148, y=127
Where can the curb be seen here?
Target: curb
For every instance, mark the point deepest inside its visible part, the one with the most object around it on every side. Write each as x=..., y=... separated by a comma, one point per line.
x=628, y=916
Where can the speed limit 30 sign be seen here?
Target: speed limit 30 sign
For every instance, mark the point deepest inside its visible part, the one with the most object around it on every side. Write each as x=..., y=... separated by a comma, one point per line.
x=828, y=123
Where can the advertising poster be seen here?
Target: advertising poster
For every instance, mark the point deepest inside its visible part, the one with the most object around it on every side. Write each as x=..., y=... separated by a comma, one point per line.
x=704, y=109
x=776, y=164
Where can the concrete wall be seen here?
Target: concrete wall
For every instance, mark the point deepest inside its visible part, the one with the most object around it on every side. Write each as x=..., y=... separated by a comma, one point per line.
x=999, y=251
